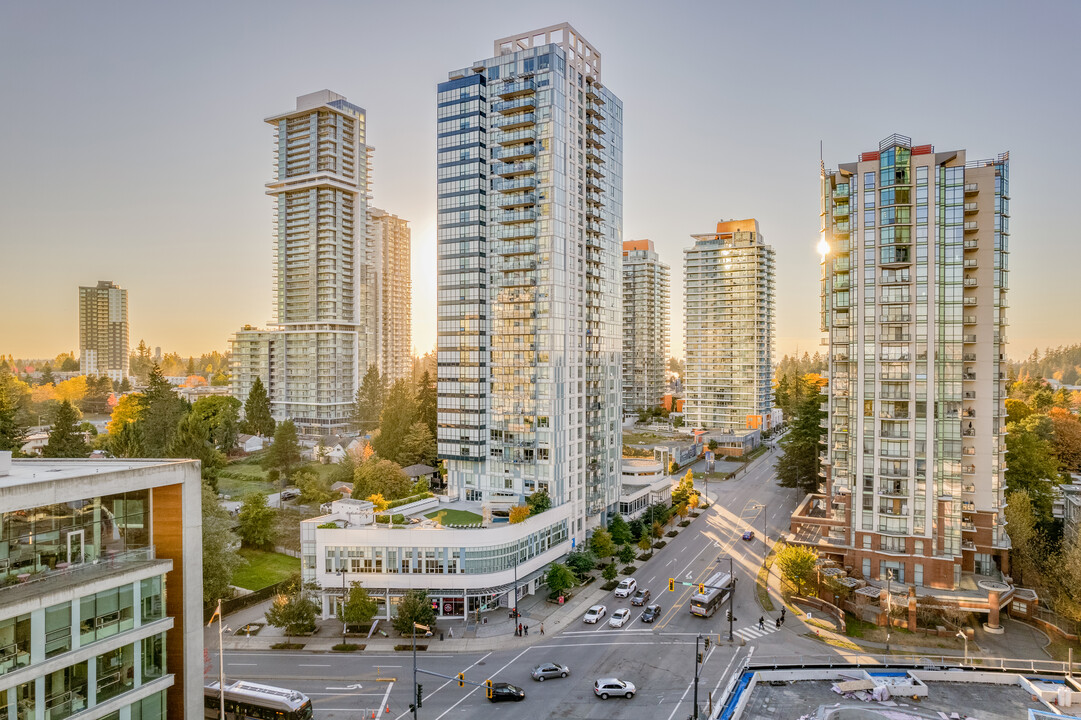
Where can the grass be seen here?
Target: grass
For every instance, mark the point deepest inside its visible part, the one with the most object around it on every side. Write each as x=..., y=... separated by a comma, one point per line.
x=264, y=568
x=456, y=517
x=899, y=636
x=642, y=438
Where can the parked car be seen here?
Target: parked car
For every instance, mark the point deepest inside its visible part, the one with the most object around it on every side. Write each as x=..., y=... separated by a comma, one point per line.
x=652, y=613
x=606, y=687
x=595, y=613
x=506, y=691
x=290, y=493
x=626, y=587
x=550, y=670
x=619, y=617
x=749, y=535
x=640, y=598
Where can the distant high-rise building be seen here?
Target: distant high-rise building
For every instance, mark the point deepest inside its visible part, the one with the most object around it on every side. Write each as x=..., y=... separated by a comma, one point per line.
x=392, y=247
x=646, y=283
x=914, y=304
x=530, y=167
x=728, y=321
x=326, y=300
x=103, y=330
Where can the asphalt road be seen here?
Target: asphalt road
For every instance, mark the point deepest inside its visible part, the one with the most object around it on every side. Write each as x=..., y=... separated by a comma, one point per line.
x=658, y=658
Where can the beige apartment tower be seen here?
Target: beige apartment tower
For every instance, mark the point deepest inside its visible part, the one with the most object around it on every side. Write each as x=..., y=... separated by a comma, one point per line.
x=646, y=283
x=728, y=320
x=392, y=248
x=914, y=307
x=103, y=330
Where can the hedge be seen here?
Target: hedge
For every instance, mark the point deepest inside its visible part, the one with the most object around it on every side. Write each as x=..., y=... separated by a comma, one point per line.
x=397, y=519
x=411, y=499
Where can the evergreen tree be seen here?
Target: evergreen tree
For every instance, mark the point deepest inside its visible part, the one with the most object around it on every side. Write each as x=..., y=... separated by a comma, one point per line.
x=190, y=370
x=621, y=531
x=285, y=452
x=396, y=420
x=192, y=440
x=257, y=417
x=798, y=466
x=47, y=375
x=1031, y=464
x=220, y=557
x=65, y=438
x=418, y=447
x=12, y=431
x=256, y=522
x=162, y=414
x=221, y=415
x=125, y=385
x=368, y=405
x=427, y=402
x=127, y=441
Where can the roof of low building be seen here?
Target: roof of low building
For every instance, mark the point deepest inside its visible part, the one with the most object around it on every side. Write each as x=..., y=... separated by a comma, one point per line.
x=418, y=470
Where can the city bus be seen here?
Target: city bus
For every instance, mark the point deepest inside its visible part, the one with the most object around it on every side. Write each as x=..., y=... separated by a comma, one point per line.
x=247, y=700
x=705, y=604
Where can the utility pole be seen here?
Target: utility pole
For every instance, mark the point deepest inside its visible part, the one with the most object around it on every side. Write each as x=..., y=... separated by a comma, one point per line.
x=731, y=599
x=426, y=629
x=697, y=664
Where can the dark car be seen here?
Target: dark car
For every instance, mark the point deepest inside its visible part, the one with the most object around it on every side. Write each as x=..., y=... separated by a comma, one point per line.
x=749, y=535
x=652, y=613
x=506, y=691
x=640, y=598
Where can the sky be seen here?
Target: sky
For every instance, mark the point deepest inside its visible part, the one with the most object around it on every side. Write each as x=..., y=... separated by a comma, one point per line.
x=133, y=147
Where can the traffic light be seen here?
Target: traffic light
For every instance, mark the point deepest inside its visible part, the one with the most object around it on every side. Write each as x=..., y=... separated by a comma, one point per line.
x=699, y=658
x=488, y=689
x=671, y=584
x=707, y=643
x=701, y=588
x=420, y=696
x=728, y=615
x=461, y=679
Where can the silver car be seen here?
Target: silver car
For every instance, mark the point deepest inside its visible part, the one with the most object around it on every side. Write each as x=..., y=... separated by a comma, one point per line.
x=550, y=670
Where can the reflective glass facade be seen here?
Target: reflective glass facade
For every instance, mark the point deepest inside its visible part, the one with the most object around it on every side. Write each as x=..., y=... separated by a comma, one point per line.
x=646, y=288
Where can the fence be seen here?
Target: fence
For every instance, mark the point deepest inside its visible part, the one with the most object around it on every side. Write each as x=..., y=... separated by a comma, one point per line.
x=232, y=605
x=286, y=551
x=918, y=662
x=1065, y=626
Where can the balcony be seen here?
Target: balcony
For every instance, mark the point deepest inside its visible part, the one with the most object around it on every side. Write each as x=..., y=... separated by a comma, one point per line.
x=522, y=136
x=970, y=489
x=969, y=319
x=968, y=432
x=968, y=451
x=509, y=170
x=894, y=489
x=593, y=198
x=513, y=122
x=517, y=200
x=971, y=188
x=971, y=282
x=968, y=506
x=973, y=263
x=968, y=469
x=969, y=394
x=899, y=511
x=516, y=232
x=972, y=245
x=514, y=185
x=517, y=89
x=515, y=248
x=969, y=357
x=516, y=106
x=515, y=153
x=971, y=207
x=967, y=526
x=969, y=339
x=970, y=301
x=513, y=218
x=972, y=226
x=593, y=156
x=594, y=141
x=517, y=279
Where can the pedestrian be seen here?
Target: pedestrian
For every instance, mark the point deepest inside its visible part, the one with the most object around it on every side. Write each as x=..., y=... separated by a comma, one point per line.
x=452, y=632
x=542, y=628
x=526, y=628
x=519, y=629
x=761, y=622
x=778, y=622
x=782, y=613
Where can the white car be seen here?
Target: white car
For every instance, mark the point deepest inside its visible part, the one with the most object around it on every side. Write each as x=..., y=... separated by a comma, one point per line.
x=619, y=617
x=626, y=587
x=595, y=613
x=613, y=687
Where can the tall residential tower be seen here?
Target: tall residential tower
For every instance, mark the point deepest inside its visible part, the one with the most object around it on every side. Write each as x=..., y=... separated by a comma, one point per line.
x=103, y=330
x=914, y=304
x=325, y=294
x=530, y=193
x=728, y=321
x=392, y=241
x=646, y=282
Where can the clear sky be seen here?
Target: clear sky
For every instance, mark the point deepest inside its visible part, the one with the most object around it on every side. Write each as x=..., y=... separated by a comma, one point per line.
x=133, y=148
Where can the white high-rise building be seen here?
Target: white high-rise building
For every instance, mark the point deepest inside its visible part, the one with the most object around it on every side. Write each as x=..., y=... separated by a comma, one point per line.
x=325, y=329
x=103, y=330
x=728, y=321
x=646, y=283
x=914, y=304
x=392, y=248
x=530, y=166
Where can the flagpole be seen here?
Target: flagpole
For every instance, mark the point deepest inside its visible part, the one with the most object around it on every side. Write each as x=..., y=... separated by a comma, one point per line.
x=221, y=667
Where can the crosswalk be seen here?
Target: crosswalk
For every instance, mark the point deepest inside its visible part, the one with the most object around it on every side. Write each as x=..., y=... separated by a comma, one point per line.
x=751, y=632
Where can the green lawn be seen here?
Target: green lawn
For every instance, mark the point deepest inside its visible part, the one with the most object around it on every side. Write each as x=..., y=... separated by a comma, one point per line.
x=239, y=489
x=457, y=517
x=264, y=568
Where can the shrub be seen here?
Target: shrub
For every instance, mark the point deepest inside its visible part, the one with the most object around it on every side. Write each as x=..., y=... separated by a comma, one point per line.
x=610, y=585
x=684, y=523
x=327, y=525
x=659, y=544
x=287, y=646
x=672, y=533
x=346, y=647
x=406, y=500
x=645, y=556
x=629, y=570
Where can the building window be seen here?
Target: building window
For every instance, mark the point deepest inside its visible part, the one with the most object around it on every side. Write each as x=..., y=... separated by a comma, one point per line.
x=867, y=567
x=14, y=643
x=150, y=596
x=57, y=629
x=105, y=614
x=116, y=672
x=919, y=573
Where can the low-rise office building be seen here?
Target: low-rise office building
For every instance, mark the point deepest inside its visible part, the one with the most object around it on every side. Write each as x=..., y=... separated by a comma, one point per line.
x=100, y=589
x=644, y=483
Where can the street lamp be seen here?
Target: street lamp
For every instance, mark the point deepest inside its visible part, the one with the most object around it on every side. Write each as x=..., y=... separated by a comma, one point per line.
x=889, y=608
x=765, y=535
x=427, y=633
x=342, y=571
x=961, y=634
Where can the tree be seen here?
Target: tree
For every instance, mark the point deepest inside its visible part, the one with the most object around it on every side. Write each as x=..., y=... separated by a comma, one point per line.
x=221, y=416
x=220, y=543
x=610, y=571
x=161, y=416
x=257, y=417
x=683, y=491
x=644, y=543
x=220, y=379
x=380, y=476
x=519, y=513
x=314, y=488
x=414, y=608
x=601, y=543
x=418, y=447
x=427, y=402
x=12, y=429
x=798, y=466
x=395, y=422
x=1016, y=410
x=140, y=363
x=581, y=562
x=681, y=510
x=621, y=532
x=797, y=564
x=358, y=608
x=637, y=528
x=626, y=554
x=256, y=522
x=96, y=398
x=539, y=502
x=127, y=442
x=1066, y=439
x=1066, y=594
x=368, y=405
x=65, y=438
x=379, y=502
x=192, y=440
x=658, y=513
x=294, y=611
x=1031, y=464
x=1028, y=550
x=125, y=385
x=46, y=375
x=559, y=579
x=657, y=531
x=285, y=452
x=129, y=409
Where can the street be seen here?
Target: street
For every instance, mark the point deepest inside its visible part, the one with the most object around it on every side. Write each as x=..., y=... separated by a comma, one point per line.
x=659, y=658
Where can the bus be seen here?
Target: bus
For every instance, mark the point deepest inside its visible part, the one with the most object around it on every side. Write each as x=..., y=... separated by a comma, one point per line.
x=705, y=604
x=244, y=700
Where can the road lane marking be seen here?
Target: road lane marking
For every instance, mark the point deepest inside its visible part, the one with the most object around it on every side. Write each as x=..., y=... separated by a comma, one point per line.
x=445, y=684
x=242, y=664
x=509, y=663
x=303, y=665
x=386, y=696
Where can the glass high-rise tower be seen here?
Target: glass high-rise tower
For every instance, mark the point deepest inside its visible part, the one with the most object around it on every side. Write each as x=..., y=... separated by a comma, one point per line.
x=646, y=283
x=103, y=330
x=530, y=193
x=914, y=304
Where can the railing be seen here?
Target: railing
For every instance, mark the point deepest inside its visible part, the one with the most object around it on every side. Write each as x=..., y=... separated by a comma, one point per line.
x=844, y=658
x=106, y=562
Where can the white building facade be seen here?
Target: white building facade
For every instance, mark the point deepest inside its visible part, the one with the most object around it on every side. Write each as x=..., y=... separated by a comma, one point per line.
x=325, y=327
x=391, y=237
x=646, y=288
